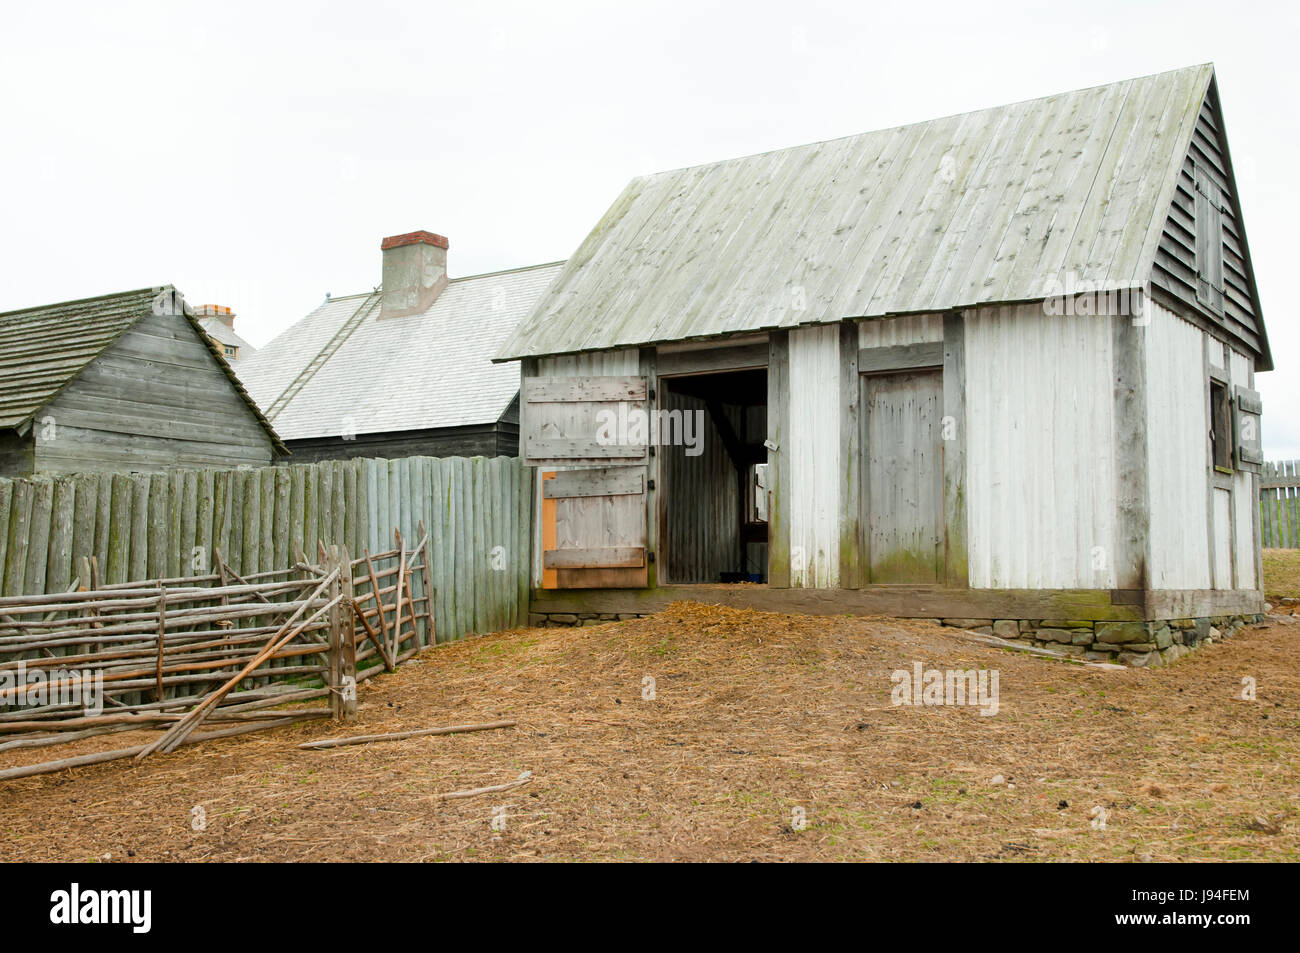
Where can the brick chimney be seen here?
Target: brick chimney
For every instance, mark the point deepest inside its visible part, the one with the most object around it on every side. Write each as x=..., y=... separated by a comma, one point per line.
x=415, y=272
x=219, y=311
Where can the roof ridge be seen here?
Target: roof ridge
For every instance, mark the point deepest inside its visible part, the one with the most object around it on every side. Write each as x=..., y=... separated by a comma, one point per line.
x=154, y=289
x=921, y=122
x=452, y=281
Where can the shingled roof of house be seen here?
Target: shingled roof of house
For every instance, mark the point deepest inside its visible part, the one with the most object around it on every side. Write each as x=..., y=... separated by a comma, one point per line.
x=343, y=367
x=43, y=349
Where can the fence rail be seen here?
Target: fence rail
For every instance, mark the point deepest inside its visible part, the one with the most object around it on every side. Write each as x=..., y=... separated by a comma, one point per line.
x=1279, y=504
x=171, y=658
x=169, y=526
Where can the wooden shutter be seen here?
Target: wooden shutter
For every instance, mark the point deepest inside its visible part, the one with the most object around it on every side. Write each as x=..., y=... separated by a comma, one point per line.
x=594, y=521
x=567, y=421
x=1209, y=241
x=594, y=528
x=1247, y=439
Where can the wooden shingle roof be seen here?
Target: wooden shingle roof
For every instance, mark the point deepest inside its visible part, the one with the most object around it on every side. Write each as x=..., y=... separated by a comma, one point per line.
x=43, y=349
x=995, y=206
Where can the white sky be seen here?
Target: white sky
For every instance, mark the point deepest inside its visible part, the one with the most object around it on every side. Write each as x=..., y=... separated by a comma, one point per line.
x=254, y=154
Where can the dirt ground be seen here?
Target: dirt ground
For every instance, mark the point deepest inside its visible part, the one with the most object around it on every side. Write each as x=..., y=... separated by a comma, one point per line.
x=756, y=717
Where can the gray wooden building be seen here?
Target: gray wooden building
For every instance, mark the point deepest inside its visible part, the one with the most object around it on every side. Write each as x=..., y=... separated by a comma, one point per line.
x=404, y=369
x=121, y=382
x=997, y=367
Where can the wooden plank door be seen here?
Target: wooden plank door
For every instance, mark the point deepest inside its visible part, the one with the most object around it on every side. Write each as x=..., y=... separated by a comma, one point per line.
x=903, y=473
x=594, y=519
x=594, y=529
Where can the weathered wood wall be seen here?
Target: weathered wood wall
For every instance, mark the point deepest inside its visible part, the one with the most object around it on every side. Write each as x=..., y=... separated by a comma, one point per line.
x=702, y=499
x=1176, y=270
x=149, y=526
x=812, y=444
x=1040, y=477
x=156, y=399
x=1279, y=504
x=1203, y=524
x=488, y=440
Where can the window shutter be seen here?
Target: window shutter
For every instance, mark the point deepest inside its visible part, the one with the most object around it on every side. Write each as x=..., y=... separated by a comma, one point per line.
x=1245, y=426
x=1209, y=241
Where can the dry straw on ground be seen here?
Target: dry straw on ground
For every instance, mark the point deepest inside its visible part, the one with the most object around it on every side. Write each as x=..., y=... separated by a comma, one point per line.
x=754, y=715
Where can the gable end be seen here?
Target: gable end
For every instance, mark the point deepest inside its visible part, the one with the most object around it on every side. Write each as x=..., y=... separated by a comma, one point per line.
x=1203, y=260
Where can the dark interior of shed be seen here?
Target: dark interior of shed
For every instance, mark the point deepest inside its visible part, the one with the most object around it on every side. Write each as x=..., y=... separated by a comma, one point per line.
x=715, y=501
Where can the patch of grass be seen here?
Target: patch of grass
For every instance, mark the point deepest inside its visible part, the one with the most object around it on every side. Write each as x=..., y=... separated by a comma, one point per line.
x=1281, y=573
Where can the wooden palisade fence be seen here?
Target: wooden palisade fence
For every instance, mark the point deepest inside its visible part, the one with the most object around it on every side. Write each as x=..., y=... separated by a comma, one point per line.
x=216, y=649
x=1279, y=504
x=168, y=525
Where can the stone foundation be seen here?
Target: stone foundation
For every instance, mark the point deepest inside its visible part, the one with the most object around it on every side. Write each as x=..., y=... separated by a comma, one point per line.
x=1139, y=644
x=545, y=620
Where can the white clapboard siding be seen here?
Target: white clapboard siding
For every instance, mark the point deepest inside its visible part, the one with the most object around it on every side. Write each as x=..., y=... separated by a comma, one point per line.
x=1177, y=452
x=1040, y=478
x=812, y=445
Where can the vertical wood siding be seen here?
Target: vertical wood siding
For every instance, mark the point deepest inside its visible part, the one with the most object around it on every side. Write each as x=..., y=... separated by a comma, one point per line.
x=142, y=526
x=1040, y=467
x=812, y=446
x=702, y=497
x=1177, y=453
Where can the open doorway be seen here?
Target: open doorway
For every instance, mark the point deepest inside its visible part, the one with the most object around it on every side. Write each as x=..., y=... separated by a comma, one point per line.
x=714, y=499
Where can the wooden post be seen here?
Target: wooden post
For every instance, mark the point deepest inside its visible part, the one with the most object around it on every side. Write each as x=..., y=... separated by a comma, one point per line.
x=162, y=629
x=431, y=637
x=778, y=460
x=330, y=563
x=348, y=660
x=956, y=572
x=397, y=595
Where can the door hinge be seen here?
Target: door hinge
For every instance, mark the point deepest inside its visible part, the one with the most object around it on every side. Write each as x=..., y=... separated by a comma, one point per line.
x=650, y=555
x=649, y=484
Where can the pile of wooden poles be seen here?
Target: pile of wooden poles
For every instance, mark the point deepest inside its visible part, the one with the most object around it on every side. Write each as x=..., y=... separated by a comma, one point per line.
x=174, y=654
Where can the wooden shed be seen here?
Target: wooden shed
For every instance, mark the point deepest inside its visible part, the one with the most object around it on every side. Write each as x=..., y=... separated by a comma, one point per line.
x=996, y=368
x=126, y=381
x=404, y=369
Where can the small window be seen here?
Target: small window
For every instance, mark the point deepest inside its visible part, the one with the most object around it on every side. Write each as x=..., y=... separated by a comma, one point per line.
x=1220, y=427
x=232, y=351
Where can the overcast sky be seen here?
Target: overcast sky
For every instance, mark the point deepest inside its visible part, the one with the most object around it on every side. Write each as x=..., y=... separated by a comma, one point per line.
x=255, y=154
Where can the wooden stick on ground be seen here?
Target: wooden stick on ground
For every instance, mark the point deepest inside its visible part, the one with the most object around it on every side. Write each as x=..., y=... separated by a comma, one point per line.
x=519, y=782
x=99, y=756
x=400, y=735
